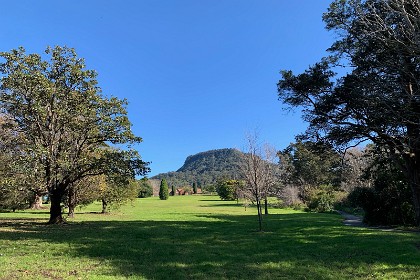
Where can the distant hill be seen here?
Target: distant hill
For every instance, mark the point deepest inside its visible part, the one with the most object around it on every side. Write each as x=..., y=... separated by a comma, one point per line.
x=205, y=168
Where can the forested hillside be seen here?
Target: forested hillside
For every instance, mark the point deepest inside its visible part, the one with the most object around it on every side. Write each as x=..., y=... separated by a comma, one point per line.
x=205, y=168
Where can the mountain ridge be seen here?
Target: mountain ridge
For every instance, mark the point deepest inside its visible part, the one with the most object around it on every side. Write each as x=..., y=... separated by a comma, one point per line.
x=205, y=168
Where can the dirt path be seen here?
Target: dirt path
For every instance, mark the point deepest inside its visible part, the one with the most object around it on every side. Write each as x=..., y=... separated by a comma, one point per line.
x=356, y=221
x=352, y=220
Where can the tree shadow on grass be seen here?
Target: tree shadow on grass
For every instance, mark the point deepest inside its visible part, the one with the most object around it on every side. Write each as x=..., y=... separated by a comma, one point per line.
x=294, y=246
x=222, y=205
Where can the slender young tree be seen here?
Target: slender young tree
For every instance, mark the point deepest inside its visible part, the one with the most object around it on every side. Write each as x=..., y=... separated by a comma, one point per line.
x=260, y=174
x=66, y=123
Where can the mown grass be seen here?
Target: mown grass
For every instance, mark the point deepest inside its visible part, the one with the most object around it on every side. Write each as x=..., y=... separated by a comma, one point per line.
x=200, y=237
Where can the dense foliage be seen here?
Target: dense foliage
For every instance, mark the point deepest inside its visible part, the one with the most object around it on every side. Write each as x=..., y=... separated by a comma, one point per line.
x=65, y=124
x=321, y=199
x=145, y=189
x=163, y=190
x=388, y=201
x=228, y=189
x=310, y=166
x=377, y=100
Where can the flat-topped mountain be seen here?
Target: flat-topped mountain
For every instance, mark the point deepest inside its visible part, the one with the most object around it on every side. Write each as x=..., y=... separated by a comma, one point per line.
x=205, y=168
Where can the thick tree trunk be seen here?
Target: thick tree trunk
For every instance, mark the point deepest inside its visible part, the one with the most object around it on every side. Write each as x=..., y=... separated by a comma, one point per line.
x=104, y=206
x=71, y=211
x=36, y=203
x=56, y=216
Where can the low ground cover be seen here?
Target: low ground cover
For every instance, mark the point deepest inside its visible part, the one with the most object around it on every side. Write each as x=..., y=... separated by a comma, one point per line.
x=200, y=237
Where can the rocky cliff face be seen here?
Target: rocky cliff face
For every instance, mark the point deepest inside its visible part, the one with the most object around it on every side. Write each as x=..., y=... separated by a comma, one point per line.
x=205, y=168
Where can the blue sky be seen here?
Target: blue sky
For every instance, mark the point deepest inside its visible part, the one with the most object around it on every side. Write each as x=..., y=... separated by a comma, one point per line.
x=198, y=74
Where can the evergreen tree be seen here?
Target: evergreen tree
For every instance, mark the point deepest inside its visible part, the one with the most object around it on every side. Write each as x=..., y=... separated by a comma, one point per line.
x=377, y=100
x=65, y=123
x=173, y=190
x=194, y=188
x=163, y=191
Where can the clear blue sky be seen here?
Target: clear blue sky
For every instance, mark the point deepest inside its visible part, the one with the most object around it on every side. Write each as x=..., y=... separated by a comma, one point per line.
x=198, y=74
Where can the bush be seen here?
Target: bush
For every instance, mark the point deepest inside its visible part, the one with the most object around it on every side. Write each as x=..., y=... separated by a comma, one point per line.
x=387, y=203
x=145, y=189
x=13, y=199
x=322, y=199
x=210, y=189
x=227, y=189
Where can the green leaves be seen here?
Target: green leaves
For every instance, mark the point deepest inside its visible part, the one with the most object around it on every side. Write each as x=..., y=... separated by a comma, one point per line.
x=377, y=99
x=68, y=125
x=163, y=190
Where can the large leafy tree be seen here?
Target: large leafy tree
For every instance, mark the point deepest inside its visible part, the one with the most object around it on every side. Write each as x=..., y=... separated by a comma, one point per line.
x=67, y=125
x=379, y=97
x=313, y=163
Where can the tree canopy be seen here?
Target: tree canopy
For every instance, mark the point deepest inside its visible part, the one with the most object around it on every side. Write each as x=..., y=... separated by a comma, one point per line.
x=70, y=130
x=378, y=99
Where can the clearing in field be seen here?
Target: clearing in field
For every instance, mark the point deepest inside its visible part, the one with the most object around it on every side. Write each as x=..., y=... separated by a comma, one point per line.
x=200, y=237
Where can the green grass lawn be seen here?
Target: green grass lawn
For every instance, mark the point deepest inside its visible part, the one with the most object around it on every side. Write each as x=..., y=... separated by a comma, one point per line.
x=200, y=237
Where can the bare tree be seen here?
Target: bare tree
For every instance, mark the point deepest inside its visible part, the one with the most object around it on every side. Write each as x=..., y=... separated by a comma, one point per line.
x=290, y=191
x=355, y=163
x=260, y=173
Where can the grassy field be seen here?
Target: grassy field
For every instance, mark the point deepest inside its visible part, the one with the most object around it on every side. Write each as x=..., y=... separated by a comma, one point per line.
x=200, y=237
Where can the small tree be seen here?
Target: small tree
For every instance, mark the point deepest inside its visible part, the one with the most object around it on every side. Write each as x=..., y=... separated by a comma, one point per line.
x=84, y=192
x=227, y=189
x=194, y=188
x=173, y=190
x=145, y=189
x=260, y=173
x=163, y=190
x=116, y=192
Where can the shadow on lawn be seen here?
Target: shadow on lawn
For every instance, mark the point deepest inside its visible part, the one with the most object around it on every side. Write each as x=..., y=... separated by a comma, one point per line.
x=294, y=246
x=222, y=205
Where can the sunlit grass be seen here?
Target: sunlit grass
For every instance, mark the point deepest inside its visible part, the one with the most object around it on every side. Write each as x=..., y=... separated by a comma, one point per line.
x=200, y=237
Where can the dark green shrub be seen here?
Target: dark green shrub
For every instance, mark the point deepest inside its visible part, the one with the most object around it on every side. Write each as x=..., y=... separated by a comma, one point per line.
x=163, y=190
x=387, y=203
x=145, y=189
x=322, y=199
x=227, y=189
